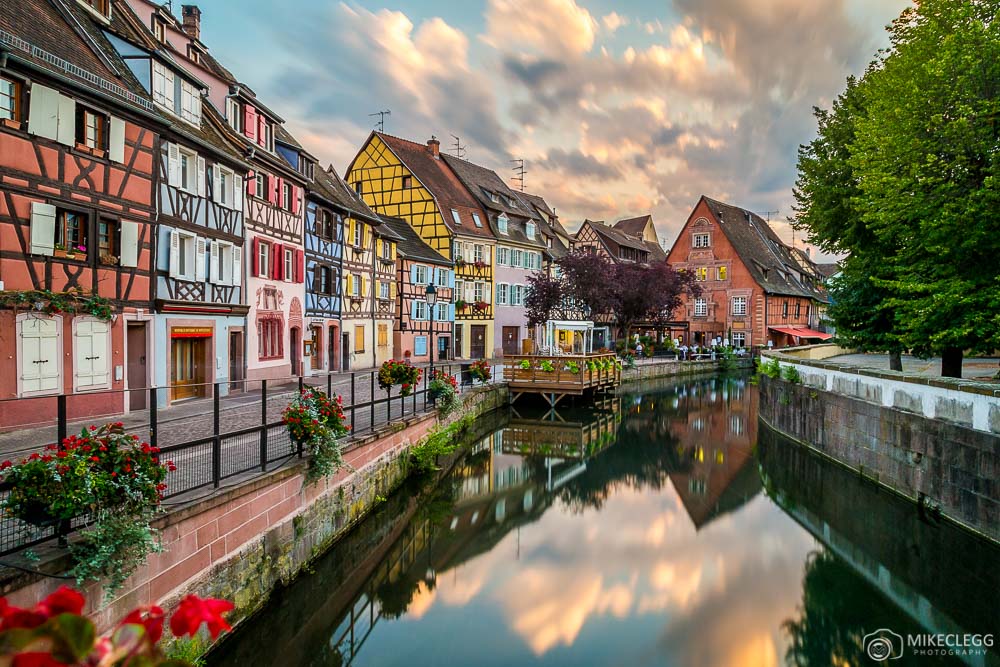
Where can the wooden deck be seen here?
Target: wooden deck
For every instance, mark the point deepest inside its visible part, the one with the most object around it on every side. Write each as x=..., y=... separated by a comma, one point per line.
x=531, y=374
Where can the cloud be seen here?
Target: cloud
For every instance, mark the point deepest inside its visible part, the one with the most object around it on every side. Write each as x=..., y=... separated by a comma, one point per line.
x=613, y=21
x=555, y=28
x=578, y=164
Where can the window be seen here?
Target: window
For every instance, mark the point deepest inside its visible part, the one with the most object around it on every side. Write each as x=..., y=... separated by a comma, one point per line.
x=739, y=339
x=503, y=256
x=454, y=216
x=494, y=197
x=477, y=291
x=517, y=258
x=529, y=230
x=287, y=194
x=784, y=309
x=289, y=258
x=407, y=182
x=459, y=290
x=270, y=337
x=739, y=305
x=263, y=258
x=456, y=250
x=225, y=263
x=259, y=188
x=163, y=86
x=720, y=273
x=107, y=240
x=10, y=99
x=701, y=240
x=700, y=307
x=383, y=290
x=420, y=273
x=233, y=115
x=477, y=253
x=358, y=233
x=193, y=54
x=502, y=223
x=701, y=274
x=517, y=295
x=190, y=103
x=188, y=170
x=442, y=311
x=383, y=335
x=225, y=186
x=798, y=309
x=442, y=277
x=91, y=129
x=359, y=338
x=268, y=138
x=502, y=294
x=475, y=219
x=159, y=30
x=323, y=280
x=386, y=249
x=355, y=285
x=71, y=231
x=420, y=311
x=101, y=6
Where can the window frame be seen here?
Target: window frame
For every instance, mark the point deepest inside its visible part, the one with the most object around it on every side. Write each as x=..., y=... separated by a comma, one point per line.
x=384, y=290
x=721, y=273
x=263, y=258
x=739, y=300
x=701, y=307
x=698, y=237
x=529, y=230
x=192, y=158
x=477, y=220
x=83, y=229
x=287, y=194
x=85, y=115
x=455, y=217
x=113, y=238
x=167, y=97
x=503, y=224
x=418, y=270
x=16, y=97
x=407, y=181
x=288, y=264
x=421, y=310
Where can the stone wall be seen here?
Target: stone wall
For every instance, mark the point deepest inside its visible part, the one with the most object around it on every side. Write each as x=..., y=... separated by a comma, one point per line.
x=242, y=541
x=659, y=369
x=938, y=461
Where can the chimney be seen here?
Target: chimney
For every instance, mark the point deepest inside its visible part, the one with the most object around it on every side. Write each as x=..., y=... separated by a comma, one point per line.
x=191, y=16
x=809, y=253
x=434, y=146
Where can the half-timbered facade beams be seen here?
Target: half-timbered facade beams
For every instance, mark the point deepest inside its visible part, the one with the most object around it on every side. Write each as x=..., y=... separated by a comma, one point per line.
x=324, y=237
x=359, y=290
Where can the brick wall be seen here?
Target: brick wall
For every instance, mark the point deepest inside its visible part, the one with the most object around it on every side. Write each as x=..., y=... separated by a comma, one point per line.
x=240, y=542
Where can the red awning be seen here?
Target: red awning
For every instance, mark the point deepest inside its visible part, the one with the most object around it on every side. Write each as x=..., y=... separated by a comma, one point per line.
x=802, y=332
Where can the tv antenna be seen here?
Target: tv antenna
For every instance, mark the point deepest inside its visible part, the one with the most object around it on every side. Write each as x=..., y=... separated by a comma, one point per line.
x=519, y=172
x=458, y=147
x=380, y=125
x=767, y=215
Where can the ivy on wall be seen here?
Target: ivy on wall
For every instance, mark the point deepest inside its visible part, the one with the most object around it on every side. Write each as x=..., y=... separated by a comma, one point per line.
x=74, y=302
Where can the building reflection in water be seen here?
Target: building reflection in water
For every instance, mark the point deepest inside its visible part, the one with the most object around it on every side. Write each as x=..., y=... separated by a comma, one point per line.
x=634, y=532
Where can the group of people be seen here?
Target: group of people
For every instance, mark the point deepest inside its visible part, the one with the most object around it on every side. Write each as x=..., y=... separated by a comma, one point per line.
x=683, y=351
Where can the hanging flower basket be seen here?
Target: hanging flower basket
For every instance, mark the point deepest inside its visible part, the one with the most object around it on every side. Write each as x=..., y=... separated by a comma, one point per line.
x=403, y=373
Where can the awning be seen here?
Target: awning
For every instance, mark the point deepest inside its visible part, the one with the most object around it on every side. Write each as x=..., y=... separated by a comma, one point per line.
x=802, y=332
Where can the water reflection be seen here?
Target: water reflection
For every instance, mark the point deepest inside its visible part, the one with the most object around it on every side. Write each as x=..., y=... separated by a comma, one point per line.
x=631, y=533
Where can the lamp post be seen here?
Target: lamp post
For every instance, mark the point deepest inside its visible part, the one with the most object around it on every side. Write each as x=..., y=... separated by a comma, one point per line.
x=430, y=294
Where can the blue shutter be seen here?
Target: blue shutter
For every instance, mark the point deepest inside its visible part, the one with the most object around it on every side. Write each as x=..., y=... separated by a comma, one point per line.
x=451, y=279
x=413, y=274
x=413, y=310
x=451, y=310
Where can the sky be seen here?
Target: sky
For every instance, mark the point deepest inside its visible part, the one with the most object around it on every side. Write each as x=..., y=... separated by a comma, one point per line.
x=618, y=109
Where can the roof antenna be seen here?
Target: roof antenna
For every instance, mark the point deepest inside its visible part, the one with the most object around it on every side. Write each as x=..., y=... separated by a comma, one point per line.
x=458, y=147
x=767, y=214
x=380, y=125
x=519, y=172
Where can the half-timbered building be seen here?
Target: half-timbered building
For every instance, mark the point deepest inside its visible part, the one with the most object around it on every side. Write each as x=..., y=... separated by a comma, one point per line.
x=519, y=251
x=557, y=240
x=363, y=295
x=753, y=290
x=418, y=266
x=411, y=181
x=199, y=297
x=623, y=242
x=77, y=160
x=324, y=247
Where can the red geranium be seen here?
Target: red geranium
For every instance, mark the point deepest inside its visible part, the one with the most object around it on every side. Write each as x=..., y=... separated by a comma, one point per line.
x=193, y=611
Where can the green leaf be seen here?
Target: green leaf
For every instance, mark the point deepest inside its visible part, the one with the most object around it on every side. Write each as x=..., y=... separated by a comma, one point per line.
x=75, y=635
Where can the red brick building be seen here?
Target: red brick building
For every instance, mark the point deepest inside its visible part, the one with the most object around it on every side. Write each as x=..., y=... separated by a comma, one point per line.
x=755, y=291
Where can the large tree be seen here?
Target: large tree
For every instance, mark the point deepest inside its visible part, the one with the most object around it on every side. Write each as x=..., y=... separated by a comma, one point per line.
x=544, y=299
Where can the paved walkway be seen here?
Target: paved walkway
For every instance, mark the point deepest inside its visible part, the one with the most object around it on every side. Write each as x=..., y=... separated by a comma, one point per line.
x=973, y=368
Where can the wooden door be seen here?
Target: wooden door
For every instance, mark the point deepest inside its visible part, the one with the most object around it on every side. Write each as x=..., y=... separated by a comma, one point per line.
x=235, y=360
x=187, y=368
x=316, y=359
x=296, y=343
x=442, y=343
x=477, y=348
x=458, y=340
x=511, y=338
x=136, y=365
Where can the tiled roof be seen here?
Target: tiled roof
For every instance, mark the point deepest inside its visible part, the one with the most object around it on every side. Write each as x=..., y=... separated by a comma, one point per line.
x=615, y=239
x=633, y=226
x=766, y=257
x=828, y=270
x=484, y=184
x=442, y=183
x=411, y=246
x=547, y=212
x=330, y=186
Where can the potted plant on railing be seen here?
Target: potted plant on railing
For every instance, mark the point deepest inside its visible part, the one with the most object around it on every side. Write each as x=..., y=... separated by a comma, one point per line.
x=316, y=422
x=480, y=306
x=104, y=475
x=572, y=367
x=460, y=305
x=443, y=392
x=546, y=365
x=480, y=370
x=403, y=373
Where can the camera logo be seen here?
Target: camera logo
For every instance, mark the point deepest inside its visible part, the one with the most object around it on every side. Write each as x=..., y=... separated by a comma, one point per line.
x=883, y=644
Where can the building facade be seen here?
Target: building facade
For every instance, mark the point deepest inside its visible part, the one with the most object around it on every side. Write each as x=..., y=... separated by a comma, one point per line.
x=417, y=266
x=404, y=179
x=362, y=290
x=324, y=248
x=77, y=157
x=754, y=292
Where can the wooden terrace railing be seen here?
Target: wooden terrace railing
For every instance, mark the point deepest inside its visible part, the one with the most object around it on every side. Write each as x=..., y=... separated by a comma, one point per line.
x=554, y=376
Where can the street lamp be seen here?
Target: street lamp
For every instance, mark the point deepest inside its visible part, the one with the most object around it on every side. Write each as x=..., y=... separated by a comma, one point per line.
x=430, y=294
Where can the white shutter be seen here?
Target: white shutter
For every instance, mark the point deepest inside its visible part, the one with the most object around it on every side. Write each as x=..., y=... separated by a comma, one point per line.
x=43, y=111
x=90, y=357
x=237, y=192
x=201, y=176
x=39, y=354
x=129, y=243
x=216, y=188
x=173, y=165
x=213, y=262
x=175, y=254
x=486, y=293
x=236, y=277
x=67, y=121
x=43, y=228
x=199, y=259
x=116, y=140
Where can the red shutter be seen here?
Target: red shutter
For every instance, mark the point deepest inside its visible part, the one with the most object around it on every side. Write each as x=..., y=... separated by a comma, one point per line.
x=271, y=180
x=261, y=129
x=276, y=264
x=295, y=199
x=256, y=256
x=250, y=122
x=300, y=266
x=251, y=184
x=281, y=193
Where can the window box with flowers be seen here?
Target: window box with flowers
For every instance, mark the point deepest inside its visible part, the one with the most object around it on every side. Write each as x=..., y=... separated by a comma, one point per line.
x=479, y=264
x=461, y=305
x=443, y=392
x=316, y=422
x=480, y=306
x=104, y=475
x=71, y=252
x=480, y=370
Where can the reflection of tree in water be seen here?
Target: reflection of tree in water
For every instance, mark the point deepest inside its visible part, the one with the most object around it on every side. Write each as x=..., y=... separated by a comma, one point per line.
x=839, y=607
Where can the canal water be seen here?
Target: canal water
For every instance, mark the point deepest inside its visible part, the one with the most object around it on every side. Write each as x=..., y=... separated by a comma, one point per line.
x=661, y=527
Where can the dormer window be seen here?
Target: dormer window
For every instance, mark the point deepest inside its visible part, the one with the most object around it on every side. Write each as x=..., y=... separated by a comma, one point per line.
x=159, y=29
x=193, y=54
x=102, y=7
x=475, y=219
x=502, y=223
x=454, y=216
x=190, y=103
x=529, y=230
x=495, y=198
x=163, y=86
x=233, y=114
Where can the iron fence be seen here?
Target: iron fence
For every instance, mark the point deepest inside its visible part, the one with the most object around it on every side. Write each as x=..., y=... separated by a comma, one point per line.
x=237, y=436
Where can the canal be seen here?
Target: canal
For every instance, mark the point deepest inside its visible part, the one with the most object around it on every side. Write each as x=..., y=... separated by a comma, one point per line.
x=658, y=528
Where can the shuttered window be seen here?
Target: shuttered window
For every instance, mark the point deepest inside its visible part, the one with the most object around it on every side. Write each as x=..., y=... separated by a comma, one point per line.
x=10, y=99
x=91, y=354
x=359, y=338
x=41, y=349
x=163, y=86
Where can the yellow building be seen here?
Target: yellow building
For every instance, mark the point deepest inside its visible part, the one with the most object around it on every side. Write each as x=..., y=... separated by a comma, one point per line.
x=407, y=180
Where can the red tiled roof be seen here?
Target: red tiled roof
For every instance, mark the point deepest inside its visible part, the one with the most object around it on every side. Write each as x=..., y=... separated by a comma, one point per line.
x=442, y=183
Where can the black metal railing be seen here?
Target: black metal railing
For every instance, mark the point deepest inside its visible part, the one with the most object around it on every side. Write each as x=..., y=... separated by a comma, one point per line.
x=218, y=438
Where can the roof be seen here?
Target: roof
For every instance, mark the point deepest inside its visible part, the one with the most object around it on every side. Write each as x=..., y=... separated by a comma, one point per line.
x=330, y=186
x=485, y=184
x=548, y=212
x=615, y=239
x=828, y=270
x=441, y=182
x=634, y=226
x=770, y=262
x=410, y=245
